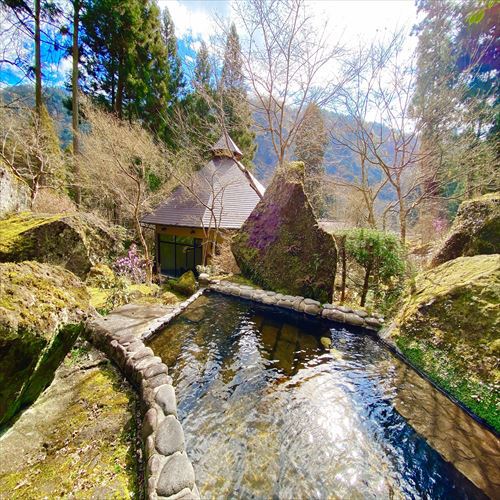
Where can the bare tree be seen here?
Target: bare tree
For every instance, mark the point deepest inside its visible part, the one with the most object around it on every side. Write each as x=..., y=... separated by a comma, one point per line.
x=374, y=125
x=122, y=167
x=29, y=146
x=288, y=62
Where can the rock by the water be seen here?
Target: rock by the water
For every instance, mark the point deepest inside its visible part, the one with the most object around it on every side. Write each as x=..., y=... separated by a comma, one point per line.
x=204, y=278
x=78, y=440
x=281, y=247
x=176, y=475
x=475, y=230
x=326, y=342
x=42, y=309
x=186, y=284
x=169, y=437
x=76, y=242
x=449, y=325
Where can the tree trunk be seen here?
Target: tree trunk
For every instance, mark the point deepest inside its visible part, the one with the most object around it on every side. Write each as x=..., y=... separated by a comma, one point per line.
x=366, y=284
x=344, y=269
x=119, y=90
x=74, y=84
x=38, y=61
x=147, y=257
x=402, y=216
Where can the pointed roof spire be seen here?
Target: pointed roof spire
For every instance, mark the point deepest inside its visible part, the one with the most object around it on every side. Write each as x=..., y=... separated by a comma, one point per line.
x=225, y=146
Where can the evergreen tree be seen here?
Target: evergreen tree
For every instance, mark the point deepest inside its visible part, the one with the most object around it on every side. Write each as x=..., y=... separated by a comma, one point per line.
x=148, y=82
x=125, y=59
x=238, y=116
x=176, y=81
x=203, y=69
x=203, y=129
x=310, y=146
x=176, y=78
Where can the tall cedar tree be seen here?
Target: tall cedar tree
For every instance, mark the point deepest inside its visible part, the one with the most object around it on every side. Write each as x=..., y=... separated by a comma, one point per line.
x=310, y=146
x=176, y=82
x=124, y=63
x=238, y=117
x=198, y=105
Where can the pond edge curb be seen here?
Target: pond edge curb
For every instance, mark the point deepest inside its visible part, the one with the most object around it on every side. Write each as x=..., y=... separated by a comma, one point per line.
x=332, y=312
x=169, y=473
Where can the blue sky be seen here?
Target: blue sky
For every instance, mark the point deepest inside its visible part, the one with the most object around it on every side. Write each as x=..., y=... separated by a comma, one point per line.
x=195, y=20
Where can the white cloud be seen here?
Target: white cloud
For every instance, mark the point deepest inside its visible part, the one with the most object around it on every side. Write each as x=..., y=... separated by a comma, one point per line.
x=195, y=18
x=356, y=20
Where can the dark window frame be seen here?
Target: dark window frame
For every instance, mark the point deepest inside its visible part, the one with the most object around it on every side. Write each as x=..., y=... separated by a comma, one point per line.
x=197, y=247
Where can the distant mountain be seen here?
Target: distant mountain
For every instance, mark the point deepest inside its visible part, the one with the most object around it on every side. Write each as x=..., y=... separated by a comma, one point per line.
x=338, y=161
x=54, y=98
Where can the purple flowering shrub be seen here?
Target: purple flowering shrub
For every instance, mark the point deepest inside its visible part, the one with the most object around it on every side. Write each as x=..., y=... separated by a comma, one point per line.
x=132, y=266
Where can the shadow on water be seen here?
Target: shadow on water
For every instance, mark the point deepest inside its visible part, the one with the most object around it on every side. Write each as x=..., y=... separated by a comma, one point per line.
x=269, y=412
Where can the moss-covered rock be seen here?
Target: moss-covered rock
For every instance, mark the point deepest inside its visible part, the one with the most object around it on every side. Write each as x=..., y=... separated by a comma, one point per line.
x=186, y=284
x=449, y=327
x=76, y=242
x=281, y=247
x=82, y=436
x=42, y=309
x=14, y=194
x=101, y=276
x=475, y=230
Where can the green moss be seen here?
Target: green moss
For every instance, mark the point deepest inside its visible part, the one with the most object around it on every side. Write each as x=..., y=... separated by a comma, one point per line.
x=280, y=246
x=475, y=230
x=36, y=297
x=75, y=241
x=482, y=398
x=90, y=451
x=41, y=312
x=144, y=289
x=99, y=297
x=449, y=325
x=186, y=284
x=12, y=228
x=240, y=280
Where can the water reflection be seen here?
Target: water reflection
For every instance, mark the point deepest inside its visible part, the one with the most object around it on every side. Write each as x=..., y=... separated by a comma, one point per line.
x=268, y=412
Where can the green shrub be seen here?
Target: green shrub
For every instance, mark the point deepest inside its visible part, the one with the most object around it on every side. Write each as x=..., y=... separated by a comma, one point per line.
x=381, y=256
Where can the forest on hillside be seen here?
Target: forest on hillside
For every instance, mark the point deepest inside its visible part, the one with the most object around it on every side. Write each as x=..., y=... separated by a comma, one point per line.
x=390, y=140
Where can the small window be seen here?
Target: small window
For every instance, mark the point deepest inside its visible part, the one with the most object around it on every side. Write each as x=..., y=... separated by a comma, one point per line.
x=167, y=238
x=184, y=240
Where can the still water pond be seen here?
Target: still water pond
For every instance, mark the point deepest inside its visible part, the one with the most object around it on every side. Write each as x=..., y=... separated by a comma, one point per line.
x=268, y=412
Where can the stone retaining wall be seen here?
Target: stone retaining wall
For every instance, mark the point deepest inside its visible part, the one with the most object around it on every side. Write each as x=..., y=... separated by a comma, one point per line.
x=333, y=312
x=168, y=472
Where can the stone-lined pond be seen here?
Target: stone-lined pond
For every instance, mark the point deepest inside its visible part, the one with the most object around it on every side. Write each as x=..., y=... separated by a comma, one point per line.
x=269, y=412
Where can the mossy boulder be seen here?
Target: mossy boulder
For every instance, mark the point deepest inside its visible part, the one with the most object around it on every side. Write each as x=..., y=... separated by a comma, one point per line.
x=42, y=309
x=82, y=436
x=281, y=247
x=449, y=327
x=186, y=284
x=76, y=242
x=101, y=276
x=475, y=230
x=14, y=194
